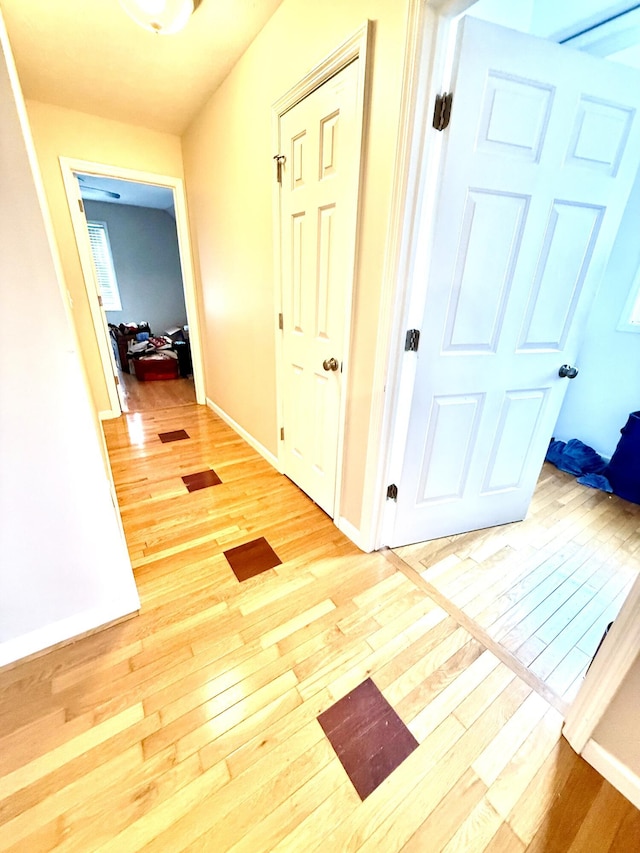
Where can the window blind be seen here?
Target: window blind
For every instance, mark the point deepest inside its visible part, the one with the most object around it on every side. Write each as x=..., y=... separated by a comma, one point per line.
x=103, y=262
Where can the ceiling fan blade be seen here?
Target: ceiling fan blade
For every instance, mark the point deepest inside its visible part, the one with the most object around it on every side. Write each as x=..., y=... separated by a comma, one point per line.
x=100, y=190
x=84, y=186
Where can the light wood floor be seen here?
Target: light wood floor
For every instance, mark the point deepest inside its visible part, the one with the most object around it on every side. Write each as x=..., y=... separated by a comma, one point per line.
x=147, y=396
x=544, y=589
x=193, y=725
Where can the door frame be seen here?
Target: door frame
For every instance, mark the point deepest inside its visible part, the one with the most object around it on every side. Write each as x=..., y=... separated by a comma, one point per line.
x=403, y=305
x=434, y=68
x=415, y=184
x=69, y=166
x=355, y=47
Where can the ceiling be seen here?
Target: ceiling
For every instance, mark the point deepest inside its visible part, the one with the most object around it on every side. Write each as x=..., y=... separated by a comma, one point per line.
x=96, y=188
x=88, y=55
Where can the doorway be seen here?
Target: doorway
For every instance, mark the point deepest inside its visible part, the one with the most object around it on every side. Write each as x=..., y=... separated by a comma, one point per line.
x=148, y=336
x=538, y=164
x=134, y=243
x=585, y=567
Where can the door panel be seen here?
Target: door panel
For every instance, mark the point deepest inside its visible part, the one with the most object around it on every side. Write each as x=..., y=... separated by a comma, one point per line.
x=319, y=140
x=457, y=418
x=537, y=166
x=567, y=248
x=491, y=232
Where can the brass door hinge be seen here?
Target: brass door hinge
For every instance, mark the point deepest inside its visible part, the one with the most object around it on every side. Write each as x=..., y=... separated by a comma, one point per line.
x=280, y=160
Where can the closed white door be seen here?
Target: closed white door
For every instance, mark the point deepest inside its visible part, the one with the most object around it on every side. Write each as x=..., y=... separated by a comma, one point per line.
x=318, y=221
x=539, y=159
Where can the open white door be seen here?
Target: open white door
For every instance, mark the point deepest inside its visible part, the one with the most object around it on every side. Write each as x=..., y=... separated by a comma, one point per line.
x=538, y=162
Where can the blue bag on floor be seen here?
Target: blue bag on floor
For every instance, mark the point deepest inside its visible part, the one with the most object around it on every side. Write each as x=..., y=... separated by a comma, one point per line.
x=623, y=472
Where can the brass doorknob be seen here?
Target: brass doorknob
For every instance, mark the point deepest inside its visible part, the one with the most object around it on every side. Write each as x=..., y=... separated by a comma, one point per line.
x=330, y=364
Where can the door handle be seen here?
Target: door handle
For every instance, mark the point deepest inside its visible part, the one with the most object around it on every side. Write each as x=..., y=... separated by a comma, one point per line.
x=568, y=372
x=330, y=364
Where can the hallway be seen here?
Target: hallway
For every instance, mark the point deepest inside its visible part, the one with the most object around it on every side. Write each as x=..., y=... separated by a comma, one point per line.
x=193, y=726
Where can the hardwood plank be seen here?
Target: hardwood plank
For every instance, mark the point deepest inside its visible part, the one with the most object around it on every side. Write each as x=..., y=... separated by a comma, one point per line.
x=531, y=813
x=598, y=830
x=496, y=756
x=443, y=773
x=458, y=688
x=504, y=841
x=443, y=822
x=38, y=767
x=476, y=831
x=542, y=587
x=194, y=724
x=45, y=815
x=521, y=767
x=626, y=837
x=565, y=817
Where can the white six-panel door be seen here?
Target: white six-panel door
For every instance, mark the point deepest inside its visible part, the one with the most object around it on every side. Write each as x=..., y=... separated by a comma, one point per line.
x=319, y=141
x=539, y=159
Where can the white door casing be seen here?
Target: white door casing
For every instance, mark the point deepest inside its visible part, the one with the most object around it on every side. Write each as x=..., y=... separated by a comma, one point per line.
x=537, y=166
x=320, y=140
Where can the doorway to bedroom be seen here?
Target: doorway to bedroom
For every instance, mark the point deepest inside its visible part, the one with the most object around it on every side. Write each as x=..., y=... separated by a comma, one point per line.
x=134, y=244
x=133, y=240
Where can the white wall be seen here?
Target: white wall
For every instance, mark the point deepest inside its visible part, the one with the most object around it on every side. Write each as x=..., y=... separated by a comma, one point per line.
x=144, y=245
x=607, y=388
x=618, y=731
x=62, y=132
x=65, y=568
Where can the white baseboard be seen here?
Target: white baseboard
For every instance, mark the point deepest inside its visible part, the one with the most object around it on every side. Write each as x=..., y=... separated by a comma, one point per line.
x=349, y=530
x=614, y=771
x=271, y=458
x=108, y=415
x=352, y=533
x=60, y=632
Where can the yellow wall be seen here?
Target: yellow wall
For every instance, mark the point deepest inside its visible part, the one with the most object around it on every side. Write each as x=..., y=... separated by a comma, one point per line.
x=62, y=132
x=229, y=175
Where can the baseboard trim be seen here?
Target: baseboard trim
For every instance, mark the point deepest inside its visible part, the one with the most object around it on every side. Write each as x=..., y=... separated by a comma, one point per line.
x=44, y=640
x=613, y=770
x=271, y=458
x=352, y=533
x=108, y=415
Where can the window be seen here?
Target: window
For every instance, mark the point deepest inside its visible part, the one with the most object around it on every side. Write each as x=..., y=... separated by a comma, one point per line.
x=103, y=261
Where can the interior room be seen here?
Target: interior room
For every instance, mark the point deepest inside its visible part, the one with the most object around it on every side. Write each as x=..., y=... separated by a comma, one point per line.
x=315, y=286
x=137, y=258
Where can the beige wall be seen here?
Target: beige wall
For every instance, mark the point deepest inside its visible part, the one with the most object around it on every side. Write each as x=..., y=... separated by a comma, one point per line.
x=618, y=731
x=62, y=132
x=229, y=175
x=65, y=564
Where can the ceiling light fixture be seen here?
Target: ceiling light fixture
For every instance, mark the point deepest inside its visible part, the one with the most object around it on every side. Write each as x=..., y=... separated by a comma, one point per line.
x=160, y=16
